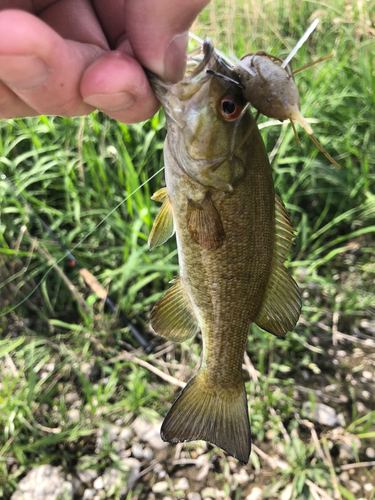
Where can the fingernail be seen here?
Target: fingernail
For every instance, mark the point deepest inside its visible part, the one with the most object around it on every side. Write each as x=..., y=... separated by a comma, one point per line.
x=175, y=58
x=23, y=72
x=111, y=102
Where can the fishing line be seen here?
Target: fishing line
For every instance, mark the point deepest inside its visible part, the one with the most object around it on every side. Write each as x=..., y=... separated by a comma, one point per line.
x=68, y=253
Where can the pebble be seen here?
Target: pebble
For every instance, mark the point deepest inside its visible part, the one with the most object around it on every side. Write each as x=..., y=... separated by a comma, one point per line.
x=87, y=476
x=368, y=487
x=91, y=371
x=74, y=415
x=148, y=454
x=149, y=432
x=256, y=494
x=344, y=476
x=44, y=483
x=241, y=477
x=89, y=494
x=341, y=354
x=323, y=414
x=98, y=483
x=287, y=492
x=71, y=398
x=192, y=495
x=134, y=467
x=366, y=394
x=370, y=452
x=182, y=484
x=354, y=487
x=346, y=452
x=160, y=487
x=137, y=451
x=107, y=434
x=211, y=493
x=367, y=375
x=111, y=478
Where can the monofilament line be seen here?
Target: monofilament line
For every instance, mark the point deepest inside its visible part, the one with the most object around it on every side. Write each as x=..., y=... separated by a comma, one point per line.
x=300, y=42
x=3, y=177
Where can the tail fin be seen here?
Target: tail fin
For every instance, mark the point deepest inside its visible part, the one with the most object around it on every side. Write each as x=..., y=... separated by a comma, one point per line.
x=217, y=416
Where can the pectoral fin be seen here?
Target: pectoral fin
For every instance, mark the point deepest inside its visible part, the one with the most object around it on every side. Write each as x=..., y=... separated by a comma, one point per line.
x=172, y=316
x=162, y=228
x=281, y=307
x=204, y=223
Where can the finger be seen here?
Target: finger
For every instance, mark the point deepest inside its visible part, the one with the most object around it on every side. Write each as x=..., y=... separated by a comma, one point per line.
x=158, y=33
x=117, y=84
x=41, y=68
x=11, y=106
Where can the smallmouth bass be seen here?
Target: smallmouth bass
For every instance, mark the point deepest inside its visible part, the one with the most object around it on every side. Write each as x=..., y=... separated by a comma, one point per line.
x=233, y=234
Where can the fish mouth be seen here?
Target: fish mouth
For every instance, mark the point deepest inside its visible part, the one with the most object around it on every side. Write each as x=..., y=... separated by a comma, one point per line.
x=199, y=70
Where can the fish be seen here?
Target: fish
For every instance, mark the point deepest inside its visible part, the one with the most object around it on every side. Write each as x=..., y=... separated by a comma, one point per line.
x=233, y=234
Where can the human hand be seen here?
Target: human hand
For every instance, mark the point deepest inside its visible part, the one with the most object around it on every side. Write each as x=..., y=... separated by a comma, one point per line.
x=69, y=57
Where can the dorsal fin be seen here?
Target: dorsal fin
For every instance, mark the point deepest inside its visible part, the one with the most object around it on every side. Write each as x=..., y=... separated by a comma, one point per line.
x=281, y=306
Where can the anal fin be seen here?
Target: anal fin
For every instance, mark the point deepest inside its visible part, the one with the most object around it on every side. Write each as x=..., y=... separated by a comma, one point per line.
x=213, y=414
x=172, y=316
x=162, y=228
x=204, y=223
x=281, y=306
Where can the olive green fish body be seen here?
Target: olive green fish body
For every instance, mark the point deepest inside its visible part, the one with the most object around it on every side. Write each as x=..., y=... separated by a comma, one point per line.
x=232, y=235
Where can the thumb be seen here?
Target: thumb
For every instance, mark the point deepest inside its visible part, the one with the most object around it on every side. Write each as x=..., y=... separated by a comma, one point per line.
x=158, y=33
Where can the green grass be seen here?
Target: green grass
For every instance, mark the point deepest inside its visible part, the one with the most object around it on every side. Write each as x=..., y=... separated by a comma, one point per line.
x=74, y=172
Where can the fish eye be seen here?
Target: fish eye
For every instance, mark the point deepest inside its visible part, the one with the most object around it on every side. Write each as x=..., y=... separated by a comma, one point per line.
x=229, y=108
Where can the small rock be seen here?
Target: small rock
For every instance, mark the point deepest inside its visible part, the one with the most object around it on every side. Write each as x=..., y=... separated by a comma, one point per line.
x=366, y=394
x=98, y=483
x=107, y=434
x=111, y=480
x=137, y=451
x=74, y=415
x=151, y=496
x=344, y=476
x=71, y=398
x=182, y=484
x=158, y=469
x=367, y=375
x=368, y=487
x=160, y=487
x=287, y=492
x=125, y=436
x=149, y=432
x=256, y=494
x=89, y=494
x=354, y=487
x=346, y=451
x=148, y=454
x=91, y=371
x=87, y=476
x=323, y=414
x=192, y=495
x=341, y=354
x=44, y=483
x=370, y=452
x=241, y=477
x=209, y=493
x=134, y=467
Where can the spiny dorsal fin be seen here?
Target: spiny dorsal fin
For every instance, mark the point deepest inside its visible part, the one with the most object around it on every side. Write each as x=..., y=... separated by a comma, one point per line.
x=172, y=316
x=203, y=411
x=162, y=228
x=281, y=306
x=204, y=223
